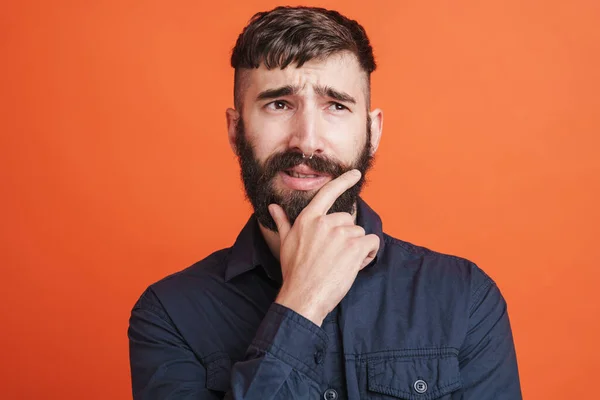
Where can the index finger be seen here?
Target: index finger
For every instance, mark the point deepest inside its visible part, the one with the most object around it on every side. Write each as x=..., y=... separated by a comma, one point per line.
x=329, y=193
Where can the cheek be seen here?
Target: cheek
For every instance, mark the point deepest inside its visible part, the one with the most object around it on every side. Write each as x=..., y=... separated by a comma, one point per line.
x=346, y=141
x=267, y=137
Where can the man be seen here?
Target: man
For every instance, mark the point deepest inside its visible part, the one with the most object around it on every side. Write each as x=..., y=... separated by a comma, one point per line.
x=313, y=300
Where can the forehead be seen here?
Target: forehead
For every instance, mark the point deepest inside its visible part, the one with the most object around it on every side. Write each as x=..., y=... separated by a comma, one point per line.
x=340, y=71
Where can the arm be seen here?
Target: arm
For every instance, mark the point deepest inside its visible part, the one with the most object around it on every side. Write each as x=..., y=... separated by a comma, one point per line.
x=279, y=364
x=487, y=358
x=320, y=258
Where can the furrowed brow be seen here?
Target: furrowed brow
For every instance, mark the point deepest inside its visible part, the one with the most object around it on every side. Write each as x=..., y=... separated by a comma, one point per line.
x=328, y=91
x=274, y=93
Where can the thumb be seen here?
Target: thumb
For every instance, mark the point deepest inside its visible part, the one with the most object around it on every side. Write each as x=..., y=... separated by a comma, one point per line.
x=281, y=220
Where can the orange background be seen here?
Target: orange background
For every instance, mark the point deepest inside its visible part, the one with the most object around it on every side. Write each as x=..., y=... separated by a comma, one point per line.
x=116, y=169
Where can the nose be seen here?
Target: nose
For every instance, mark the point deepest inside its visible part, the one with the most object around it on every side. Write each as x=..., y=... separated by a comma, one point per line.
x=306, y=135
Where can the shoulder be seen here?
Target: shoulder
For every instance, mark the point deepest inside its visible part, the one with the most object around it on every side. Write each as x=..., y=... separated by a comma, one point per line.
x=196, y=278
x=437, y=267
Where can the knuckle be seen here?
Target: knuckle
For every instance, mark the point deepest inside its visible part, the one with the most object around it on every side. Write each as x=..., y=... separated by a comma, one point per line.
x=375, y=240
x=340, y=231
x=322, y=221
x=347, y=218
x=351, y=244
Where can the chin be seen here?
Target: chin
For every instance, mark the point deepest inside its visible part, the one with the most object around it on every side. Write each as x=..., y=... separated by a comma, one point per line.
x=286, y=194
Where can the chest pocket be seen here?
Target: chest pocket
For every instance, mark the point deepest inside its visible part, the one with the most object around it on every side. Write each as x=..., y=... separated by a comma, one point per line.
x=218, y=372
x=416, y=377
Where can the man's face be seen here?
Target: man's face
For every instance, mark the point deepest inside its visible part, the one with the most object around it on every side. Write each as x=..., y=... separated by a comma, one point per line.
x=319, y=109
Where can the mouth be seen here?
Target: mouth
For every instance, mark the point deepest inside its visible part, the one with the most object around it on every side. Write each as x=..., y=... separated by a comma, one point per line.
x=295, y=174
x=303, y=178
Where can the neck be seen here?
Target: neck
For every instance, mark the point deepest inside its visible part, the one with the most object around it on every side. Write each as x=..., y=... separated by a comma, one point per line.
x=274, y=241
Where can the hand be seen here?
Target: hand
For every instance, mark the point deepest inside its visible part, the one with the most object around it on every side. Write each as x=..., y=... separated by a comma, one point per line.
x=322, y=253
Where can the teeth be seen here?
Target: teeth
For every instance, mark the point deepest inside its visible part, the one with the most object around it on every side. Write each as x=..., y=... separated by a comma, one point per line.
x=297, y=175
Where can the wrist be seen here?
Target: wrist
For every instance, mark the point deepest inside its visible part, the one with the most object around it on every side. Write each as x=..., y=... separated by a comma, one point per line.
x=304, y=308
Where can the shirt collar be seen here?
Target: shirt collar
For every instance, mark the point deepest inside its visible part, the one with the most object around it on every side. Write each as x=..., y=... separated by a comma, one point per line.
x=250, y=249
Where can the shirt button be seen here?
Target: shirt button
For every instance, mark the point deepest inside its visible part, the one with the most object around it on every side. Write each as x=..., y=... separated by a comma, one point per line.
x=330, y=394
x=319, y=356
x=420, y=386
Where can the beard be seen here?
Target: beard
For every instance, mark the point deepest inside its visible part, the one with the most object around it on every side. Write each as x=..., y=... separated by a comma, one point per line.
x=259, y=179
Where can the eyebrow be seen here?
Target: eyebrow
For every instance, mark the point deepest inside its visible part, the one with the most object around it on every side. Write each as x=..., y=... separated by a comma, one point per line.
x=282, y=91
x=289, y=90
x=328, y=91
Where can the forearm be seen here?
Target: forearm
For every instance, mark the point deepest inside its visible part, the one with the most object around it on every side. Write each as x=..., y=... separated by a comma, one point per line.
x=279, y=363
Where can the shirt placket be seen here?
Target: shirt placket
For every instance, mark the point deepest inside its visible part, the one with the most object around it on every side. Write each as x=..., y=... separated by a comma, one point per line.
x=334, y=377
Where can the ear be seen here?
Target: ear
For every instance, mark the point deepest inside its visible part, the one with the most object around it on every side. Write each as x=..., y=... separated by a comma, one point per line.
x=376, y=128
x=232, y=120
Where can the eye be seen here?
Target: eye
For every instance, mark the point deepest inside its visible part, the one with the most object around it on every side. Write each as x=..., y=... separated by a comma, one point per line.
x=337, y=107
x=277, y=105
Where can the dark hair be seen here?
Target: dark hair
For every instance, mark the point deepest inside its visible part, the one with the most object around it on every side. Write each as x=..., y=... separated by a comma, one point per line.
x=287, y=35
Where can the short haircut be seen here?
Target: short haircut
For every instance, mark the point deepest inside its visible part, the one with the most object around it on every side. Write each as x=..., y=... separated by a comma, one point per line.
x=287, y=35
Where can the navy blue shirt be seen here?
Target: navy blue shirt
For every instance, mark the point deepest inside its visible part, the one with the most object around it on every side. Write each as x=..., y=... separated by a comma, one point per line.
x=416, y=324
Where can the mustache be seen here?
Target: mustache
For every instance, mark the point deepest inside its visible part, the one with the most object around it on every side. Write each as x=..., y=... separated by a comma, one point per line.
x=289, y=159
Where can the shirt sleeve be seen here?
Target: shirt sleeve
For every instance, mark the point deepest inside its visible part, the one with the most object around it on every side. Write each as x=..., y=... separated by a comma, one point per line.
x=280, y=363
x=487, y=358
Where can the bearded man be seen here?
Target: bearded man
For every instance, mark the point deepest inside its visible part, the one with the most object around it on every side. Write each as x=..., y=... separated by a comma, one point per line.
x=314, y=300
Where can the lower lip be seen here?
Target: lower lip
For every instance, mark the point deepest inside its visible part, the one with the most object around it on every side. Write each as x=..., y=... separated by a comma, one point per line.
x=303, y=183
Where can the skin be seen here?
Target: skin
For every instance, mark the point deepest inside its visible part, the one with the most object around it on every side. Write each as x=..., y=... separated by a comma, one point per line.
x=321, y=254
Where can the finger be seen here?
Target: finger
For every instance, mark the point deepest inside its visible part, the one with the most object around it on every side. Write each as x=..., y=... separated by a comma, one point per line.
x=339, y=219
x=371, y=246
x=366, y=262
x=327, y=195
x=281, y=220
x=351, y=231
